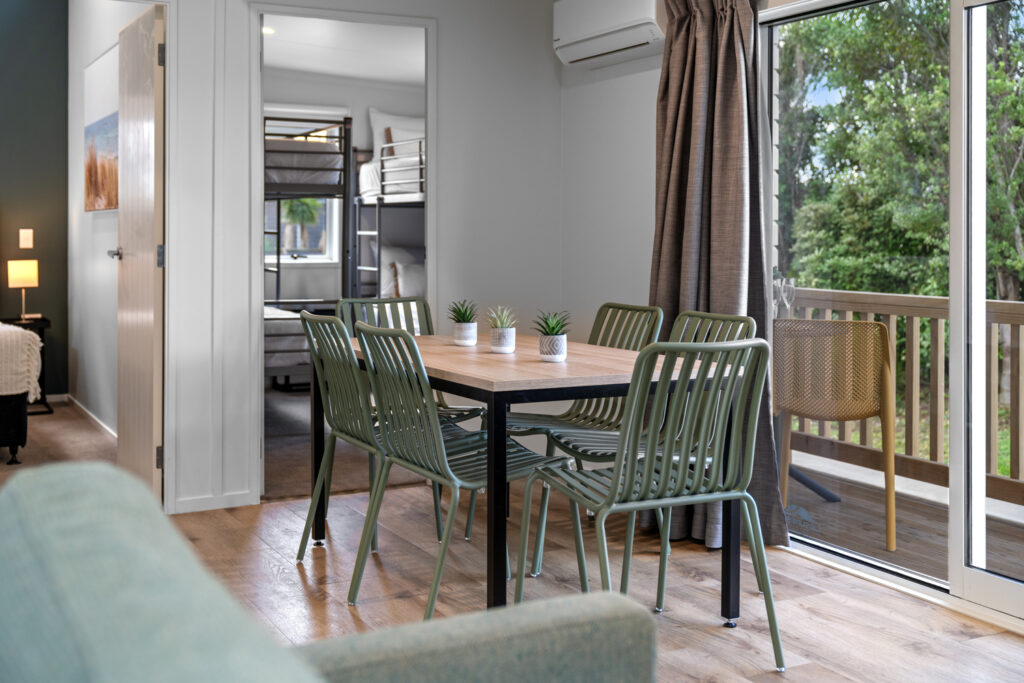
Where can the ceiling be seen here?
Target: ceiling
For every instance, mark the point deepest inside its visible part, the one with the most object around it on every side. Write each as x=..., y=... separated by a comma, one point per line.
x=375, y=52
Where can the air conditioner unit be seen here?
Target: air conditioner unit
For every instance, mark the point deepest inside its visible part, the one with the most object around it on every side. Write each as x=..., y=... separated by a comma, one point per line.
x=597, y=33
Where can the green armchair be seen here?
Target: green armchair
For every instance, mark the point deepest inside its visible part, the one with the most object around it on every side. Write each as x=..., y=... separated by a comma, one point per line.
x=98, y=585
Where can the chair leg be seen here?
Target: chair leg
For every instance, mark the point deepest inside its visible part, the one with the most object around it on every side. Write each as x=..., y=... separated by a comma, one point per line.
x=581, y=557
x=664, y=516
x=666, y=526
x=754, y=559
x=437, y=508
x=373, y=479
x=325, y=465
x=449, y=524
x=332, y=442
x=372, y=512
x=471, y=513
x=524, y=539
x=785, y=456
x=756, y=542
x=542, y=523
x=602, y=550
x=627, y=553
x=889, y=451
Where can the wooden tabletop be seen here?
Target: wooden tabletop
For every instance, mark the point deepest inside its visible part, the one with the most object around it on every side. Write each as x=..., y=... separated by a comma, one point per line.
x=476, y=366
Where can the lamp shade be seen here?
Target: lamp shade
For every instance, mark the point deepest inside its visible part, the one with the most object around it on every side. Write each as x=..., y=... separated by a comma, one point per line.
x=23, y=273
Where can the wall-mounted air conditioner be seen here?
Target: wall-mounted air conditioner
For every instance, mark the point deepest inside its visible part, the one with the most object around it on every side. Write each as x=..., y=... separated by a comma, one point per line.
x=596, y=33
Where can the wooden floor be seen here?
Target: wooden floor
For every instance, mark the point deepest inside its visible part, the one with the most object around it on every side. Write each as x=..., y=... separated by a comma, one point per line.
x=857, y=523
x=834, y=626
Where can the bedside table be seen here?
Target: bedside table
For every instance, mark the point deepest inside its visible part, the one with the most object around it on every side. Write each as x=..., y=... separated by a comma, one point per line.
x=39, y=326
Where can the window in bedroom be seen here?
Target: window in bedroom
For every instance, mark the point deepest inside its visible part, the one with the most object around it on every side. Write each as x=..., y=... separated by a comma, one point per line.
x=309, y=229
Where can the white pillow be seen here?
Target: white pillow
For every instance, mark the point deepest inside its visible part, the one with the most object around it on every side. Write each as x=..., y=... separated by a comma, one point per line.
x=380, y=120
x=402, y=135
x=412, y=279
x=389, y=256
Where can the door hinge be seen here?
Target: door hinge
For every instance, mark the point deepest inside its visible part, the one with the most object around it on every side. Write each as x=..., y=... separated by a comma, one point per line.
x=159, y=256
x=161, y=54
x=159, y=457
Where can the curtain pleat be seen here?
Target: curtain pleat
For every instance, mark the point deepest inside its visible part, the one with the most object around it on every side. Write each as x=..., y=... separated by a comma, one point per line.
x=708, y=252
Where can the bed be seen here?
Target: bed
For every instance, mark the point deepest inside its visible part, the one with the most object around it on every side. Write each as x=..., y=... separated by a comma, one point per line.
x=389, y=211
x=285, y=351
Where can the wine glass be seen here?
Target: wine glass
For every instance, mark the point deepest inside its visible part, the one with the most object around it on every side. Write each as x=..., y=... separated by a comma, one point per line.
x=776, y=295
x=788, y=293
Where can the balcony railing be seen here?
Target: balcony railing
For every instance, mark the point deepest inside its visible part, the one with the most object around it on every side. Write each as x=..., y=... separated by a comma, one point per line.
x=926, y=319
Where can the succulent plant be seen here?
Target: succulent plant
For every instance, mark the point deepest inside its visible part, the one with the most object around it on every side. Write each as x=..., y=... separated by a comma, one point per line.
x=463, y=311
x=551, y=324
x=501, y=317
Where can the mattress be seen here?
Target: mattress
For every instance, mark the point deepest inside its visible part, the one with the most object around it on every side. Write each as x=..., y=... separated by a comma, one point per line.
x=282, y=352
x=306, y=155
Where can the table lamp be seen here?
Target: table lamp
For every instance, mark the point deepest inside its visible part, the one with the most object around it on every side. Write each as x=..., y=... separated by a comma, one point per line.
x=23, y=274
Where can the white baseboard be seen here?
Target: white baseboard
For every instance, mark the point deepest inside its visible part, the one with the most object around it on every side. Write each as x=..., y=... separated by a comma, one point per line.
x=88, y=413
x=57, y=398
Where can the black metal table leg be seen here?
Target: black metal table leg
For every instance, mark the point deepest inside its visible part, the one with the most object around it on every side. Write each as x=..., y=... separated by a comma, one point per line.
x=497, y=588
x=316, y=431
x=731, y=561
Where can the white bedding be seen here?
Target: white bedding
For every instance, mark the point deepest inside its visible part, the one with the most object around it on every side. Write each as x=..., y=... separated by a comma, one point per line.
x=287, y=352
x=398, y=169
x=20, y=361
x=295, y=153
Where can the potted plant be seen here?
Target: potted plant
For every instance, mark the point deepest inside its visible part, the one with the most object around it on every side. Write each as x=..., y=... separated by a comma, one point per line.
x=552, y=328
x=463, y=314
x=503, y=329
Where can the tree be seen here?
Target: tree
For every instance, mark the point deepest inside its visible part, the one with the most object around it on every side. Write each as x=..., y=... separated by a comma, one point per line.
x=300, y=213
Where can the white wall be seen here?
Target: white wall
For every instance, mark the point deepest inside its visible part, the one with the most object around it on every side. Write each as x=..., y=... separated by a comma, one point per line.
x=92, y=275
x=608, y=122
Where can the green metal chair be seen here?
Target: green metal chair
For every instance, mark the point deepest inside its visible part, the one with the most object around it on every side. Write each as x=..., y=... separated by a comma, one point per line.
x=412, y=314
x=409, y=313
x=691, y=441
x=586, y=443
x=620, y=326
x=346, y=396
x=410, y=436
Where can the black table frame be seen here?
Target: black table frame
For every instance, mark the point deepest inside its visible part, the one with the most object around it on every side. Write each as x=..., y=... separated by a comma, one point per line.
x=498, y=404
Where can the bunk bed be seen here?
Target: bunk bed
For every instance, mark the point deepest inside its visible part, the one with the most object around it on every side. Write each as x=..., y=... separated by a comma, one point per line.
x=394, y=180
x=304, y=157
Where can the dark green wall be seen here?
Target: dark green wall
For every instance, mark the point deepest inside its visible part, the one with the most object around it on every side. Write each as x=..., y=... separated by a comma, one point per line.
x=34, y=164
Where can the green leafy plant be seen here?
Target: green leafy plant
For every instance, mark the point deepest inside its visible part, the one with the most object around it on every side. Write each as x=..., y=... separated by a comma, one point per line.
x=501, y=317
x=463, y=311
x=551, y=324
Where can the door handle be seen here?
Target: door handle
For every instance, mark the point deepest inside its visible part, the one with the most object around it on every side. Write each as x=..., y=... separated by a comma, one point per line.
x=115, y=253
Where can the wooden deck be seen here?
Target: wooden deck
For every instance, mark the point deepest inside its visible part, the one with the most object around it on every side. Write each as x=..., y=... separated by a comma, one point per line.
x=834, y=626
x=857, y=522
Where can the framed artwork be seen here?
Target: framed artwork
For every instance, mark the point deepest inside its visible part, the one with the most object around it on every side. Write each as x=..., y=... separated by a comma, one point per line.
x=101, y=132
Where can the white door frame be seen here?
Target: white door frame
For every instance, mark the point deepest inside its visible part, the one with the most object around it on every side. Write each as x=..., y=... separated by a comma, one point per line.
x=257, y=10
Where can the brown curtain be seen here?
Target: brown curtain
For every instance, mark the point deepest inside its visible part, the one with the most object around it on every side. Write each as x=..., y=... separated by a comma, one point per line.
x=708, y=252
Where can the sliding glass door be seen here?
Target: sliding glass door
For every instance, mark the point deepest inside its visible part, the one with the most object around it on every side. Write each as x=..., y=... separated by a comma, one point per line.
x=987, y=212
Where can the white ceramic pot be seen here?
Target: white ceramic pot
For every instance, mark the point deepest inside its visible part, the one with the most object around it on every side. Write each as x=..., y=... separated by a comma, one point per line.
x=465, y=334
x=503, y=339
x=553, y=348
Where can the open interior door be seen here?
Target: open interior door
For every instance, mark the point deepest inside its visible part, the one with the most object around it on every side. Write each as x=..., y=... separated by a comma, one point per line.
x=140, y=232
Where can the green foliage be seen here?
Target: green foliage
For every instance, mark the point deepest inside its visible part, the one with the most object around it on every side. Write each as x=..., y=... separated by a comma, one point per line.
x=501, y=317
x=463, y=311
x=551, y=324
x=305, y=211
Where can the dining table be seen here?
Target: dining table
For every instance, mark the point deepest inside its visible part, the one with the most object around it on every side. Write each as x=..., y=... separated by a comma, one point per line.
x=500, y=380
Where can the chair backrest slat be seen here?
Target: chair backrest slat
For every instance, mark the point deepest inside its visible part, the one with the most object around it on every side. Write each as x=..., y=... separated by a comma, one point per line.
x=410, y=313
x=343, y=386
x=406, y=410
x=673, y=441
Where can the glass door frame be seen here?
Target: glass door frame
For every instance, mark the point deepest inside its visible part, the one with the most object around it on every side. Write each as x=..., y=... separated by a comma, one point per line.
x=966, y=552
x=967, y=262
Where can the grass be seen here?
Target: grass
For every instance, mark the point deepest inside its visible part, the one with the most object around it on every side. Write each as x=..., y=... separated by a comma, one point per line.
x=100, y=181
